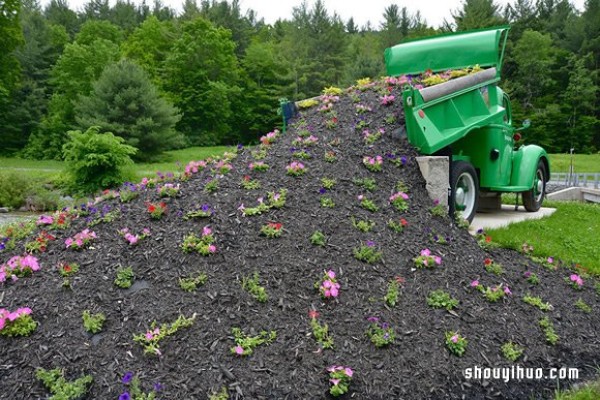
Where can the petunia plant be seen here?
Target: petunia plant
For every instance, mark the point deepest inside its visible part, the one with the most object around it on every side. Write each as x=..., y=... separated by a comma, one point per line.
x=244, y=345
x=295, y=168
x=373, y=164
x=132, y=238
x=427, y=260
x=328, y=285
x=493, y=267
x=205, y=211
x=456, y=343
x=80, y=240
x=397, y=226
x=320, y=331
x=151, y=338
x=203, y=244
x=575, y=281
x=16, y=323
x=272, y=229
x=17, y=267
x=399, y=200
x=340, y=378
x=40, y=244
x=258, y=166
x=380, y=333
x=367, y=252
x=156, y=210
x=168, y=190
x=134, y=388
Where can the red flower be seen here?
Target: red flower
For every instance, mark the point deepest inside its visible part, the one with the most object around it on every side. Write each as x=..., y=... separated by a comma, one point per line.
x=42, y=248
x=151, y=208
x=67, y=268
x=246, y=178
x=275, y=225
x=403, y=222
x=335, y=120
x=400, y=280
x=313, y=314
x=162, y=205
x=488, y=239
x=389, y=89
x=487, y=261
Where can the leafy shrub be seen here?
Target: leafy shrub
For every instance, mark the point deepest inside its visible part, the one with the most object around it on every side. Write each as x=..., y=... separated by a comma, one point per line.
x=96, y=160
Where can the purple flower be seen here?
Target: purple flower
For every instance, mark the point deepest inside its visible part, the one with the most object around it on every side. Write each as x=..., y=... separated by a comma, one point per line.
x=158, y=386
x=372, y=319
x=403, y=160
x=322, y=191
x=205, y=207
x=127, y=377
x=527, y=274
x=125, y=396
x=370, y=243
x=240, y=146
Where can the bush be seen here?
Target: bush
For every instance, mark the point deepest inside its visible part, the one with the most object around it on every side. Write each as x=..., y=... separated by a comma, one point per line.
x=96, y=160
x=13, y=189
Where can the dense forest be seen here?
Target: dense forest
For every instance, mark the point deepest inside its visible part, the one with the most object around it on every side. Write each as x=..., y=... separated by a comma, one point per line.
x=214, y=75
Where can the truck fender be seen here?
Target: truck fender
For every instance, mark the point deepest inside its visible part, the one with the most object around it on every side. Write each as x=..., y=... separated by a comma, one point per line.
x=524, y=165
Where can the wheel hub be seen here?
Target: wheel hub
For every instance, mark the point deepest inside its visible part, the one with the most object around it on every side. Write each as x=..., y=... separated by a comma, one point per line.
x=460, y=196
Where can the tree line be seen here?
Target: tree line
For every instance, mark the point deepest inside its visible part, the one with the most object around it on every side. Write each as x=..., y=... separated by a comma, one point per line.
x=214, y=75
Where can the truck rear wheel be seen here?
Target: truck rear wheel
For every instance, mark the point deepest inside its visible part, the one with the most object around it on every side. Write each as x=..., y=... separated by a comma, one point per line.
x=465, y=189
x=533, y=199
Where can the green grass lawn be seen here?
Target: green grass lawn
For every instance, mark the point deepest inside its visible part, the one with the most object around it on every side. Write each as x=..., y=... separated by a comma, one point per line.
x=581, y=162
x=168, y=162
x=570, y=234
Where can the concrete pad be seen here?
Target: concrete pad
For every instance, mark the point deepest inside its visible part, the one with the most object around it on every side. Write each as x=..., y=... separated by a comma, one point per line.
x=505, y=216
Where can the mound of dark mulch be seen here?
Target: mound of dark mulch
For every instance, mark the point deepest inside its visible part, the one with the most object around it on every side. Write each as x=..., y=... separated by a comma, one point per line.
x=197, y=361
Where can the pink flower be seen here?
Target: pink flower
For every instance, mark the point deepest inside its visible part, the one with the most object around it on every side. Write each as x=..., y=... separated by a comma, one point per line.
x=361, y=197
x=334, y=291
x=331, y=274
x=334, y=381
x=69, y=242
x=332, y=368
x=260, y=200
x=426, y=252
x=454, y=339
x=326, y=284
x=212, y=248
x=475, y=283
x=206, y=231
x=507, y=291
x=241, y=207
x=2, y=323
x=550, y=260
x=24, y=311
x=348, y=372
x=144, y=181
x=239, y=350
x=79, y=242
x=438, y=260
x=327, y=293
x=149, y=335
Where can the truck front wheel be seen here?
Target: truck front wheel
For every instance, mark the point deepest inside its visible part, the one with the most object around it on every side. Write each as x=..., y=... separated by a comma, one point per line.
x=533, y=199
x=465, y=189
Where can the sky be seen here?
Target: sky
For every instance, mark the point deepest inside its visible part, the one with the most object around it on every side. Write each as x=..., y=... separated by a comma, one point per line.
x=433, y=11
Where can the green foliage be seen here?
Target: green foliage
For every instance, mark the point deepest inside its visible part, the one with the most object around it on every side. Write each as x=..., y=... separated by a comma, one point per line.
x=328, y=183
x=201, y=75
x=381, y=335
x=456, y=343
x=191, y=284
x=60, y=388
x=392, y=294
x=96, y=160
x=327, y=202
x=24, y=325
x=321, y=334
x=363, y=225
x=511, y=351
x=151, y=339
x=223, y=394
x=548, y=328
x=369, y=205
x=537, y=301
x=248, y=343
x=441, y=299
x=251, y=285
x=124, y=277
x=583, y=306
x=93, y=322
x=367, y=253
x=366, y=183
x=318, y=238
x=124, y=101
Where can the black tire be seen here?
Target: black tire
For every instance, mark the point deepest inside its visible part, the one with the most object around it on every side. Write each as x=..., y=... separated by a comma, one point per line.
x=533, y=199
x=465, y=189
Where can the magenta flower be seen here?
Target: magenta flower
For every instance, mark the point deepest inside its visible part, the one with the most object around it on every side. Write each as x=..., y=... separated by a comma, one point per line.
x=507, y=291
x=475, y=283
x=212, y=248
x=550, y=260
x=454, y=339
x=239, y=350
x=334, y=381
x=426, y=252
x=206, y=231
x=331, y=274
x=349, y=372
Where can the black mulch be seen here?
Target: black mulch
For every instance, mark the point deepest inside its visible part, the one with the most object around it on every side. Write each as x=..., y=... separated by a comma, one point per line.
x=197, y=361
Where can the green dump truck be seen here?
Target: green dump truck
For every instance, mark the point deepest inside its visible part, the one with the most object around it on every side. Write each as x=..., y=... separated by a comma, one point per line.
x=468, y=118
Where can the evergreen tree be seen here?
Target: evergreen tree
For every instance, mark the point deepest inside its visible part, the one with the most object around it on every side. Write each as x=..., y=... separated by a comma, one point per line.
x=125, y=102
x=475, y=14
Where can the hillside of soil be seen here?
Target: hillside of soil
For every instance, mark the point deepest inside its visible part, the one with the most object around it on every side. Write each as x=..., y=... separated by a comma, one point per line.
x=197, y=361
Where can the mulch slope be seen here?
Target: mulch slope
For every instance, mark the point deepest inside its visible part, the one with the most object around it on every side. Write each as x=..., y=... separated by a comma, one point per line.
x=197, y=361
